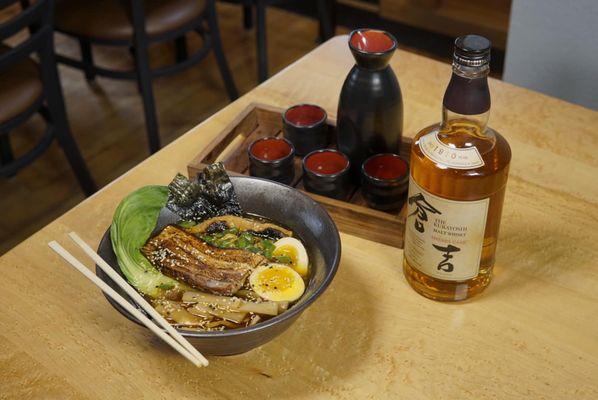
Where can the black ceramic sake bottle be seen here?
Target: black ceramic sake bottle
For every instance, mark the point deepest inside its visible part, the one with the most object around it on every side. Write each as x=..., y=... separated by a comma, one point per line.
x=370, y=109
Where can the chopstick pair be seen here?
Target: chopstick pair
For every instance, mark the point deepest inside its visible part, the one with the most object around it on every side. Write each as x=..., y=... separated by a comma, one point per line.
x=173, y=338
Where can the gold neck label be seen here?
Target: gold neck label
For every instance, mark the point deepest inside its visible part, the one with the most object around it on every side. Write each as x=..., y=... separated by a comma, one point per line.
x=435, y=150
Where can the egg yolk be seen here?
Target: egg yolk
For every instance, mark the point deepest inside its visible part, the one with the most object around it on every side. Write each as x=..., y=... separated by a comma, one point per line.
x=287, y=251
x=276, y=279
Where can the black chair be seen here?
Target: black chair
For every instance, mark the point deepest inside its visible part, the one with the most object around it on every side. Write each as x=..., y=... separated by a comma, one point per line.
x=260, y=6
x=27, y=89
x=137, y=24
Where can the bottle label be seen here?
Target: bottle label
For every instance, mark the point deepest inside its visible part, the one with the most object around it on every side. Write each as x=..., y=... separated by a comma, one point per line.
x=435, y=150
x=444, y=238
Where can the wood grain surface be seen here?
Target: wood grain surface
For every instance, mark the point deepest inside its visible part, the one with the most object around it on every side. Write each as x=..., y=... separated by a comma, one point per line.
x=532, y=334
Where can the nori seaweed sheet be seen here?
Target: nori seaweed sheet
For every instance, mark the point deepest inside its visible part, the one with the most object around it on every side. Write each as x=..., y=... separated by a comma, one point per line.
x=211, y=194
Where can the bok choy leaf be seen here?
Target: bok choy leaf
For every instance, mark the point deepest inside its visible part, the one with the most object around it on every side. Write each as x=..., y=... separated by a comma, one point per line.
x=133, y=222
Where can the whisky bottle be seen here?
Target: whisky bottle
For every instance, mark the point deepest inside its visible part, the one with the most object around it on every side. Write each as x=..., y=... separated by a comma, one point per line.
x=457, y=183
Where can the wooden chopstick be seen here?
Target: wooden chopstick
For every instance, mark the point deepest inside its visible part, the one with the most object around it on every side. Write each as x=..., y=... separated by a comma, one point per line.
x=61, y=251
x=229, y=150
x=137, y=298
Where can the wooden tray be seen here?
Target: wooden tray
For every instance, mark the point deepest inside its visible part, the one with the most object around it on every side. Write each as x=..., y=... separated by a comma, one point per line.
x=352, y=216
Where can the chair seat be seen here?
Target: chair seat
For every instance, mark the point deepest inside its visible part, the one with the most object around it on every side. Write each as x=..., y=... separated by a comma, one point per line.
x=20, y=87
x=110, y=19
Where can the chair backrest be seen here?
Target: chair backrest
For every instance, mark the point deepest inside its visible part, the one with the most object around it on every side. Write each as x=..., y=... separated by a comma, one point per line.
x=37, y=18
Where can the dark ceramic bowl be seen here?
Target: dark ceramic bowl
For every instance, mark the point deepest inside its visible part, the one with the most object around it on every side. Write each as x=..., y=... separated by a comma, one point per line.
x=384, y=181
x=305, y=126
x=327, y=172
x=372, y=48
x=272, y=158
x=298, y=212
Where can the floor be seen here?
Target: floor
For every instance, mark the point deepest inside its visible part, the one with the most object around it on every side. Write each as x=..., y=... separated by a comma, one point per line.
x=107, y=119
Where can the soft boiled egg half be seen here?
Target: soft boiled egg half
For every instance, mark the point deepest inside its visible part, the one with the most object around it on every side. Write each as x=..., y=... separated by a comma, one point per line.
x=277, y=282
x=294, y=250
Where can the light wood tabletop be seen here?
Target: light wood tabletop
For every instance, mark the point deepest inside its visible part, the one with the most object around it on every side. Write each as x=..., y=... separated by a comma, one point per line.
x=532, y=334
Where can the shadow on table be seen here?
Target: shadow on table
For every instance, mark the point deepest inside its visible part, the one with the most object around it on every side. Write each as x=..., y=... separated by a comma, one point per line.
x=323, y=346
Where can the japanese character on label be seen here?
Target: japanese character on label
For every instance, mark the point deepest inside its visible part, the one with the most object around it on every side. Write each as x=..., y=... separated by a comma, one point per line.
x=445, y=265
x=422, y=206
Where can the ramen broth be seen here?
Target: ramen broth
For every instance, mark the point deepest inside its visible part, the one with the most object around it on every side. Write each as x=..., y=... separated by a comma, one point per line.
x=233, y=272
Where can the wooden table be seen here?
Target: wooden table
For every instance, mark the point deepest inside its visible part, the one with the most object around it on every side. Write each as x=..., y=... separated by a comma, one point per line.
x=532, y=334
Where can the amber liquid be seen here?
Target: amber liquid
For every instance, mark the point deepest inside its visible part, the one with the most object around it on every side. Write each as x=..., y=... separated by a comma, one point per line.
x=488, y=181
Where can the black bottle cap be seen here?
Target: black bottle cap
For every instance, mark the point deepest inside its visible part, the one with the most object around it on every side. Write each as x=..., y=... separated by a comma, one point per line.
x=472, y=51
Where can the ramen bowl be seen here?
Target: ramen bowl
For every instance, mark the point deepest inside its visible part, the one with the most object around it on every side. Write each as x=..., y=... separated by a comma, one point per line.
x=289, y=207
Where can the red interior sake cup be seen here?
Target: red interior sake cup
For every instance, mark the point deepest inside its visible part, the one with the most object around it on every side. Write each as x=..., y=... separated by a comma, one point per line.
x=386, y=167
x=270, y=149
x=384, y=181
x=272, y=158
x=326, y=172
x=326, y=162
x=305, y=115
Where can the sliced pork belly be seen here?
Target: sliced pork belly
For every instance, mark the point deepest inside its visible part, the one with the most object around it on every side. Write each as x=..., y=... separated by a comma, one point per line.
x=184, y=257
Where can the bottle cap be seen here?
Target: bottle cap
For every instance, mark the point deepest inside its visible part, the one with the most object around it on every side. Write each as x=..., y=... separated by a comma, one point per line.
x=472, y=51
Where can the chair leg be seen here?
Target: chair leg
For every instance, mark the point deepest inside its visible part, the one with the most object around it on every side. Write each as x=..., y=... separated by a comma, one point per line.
x=68, y=144
x=326, y=22
x=144, y=76
x=181, y=49
x=6, y=155
x=58, y=118
x=262, y=46
x=87, y=58
x=144, y=83
x=333, y=12
x=247, y=16
x=133, y=54
x=62, y=131
x=229, y=83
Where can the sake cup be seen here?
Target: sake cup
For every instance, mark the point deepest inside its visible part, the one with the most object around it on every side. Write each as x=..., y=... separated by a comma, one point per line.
x=384, y=181
x=305, y=126
x=326, y=172
x=272, y=158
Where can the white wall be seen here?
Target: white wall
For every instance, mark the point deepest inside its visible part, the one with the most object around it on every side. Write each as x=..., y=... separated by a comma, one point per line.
x=552, y=47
